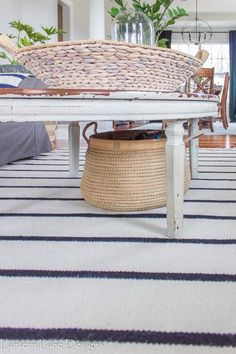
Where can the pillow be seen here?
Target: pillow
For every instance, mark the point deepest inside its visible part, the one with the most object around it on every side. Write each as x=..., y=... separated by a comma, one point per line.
x=9, y=80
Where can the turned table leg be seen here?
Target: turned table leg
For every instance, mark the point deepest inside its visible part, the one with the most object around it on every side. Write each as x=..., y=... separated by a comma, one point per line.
x=74, y=148
x=175, y=154
x=193, y=148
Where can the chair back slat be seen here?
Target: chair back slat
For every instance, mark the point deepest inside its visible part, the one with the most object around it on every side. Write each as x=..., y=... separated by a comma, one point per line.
x=202, y=81
x=223, y=103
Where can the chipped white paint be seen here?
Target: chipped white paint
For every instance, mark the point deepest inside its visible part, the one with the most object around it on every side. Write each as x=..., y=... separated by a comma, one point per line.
x=173, y=108
x=108, y=108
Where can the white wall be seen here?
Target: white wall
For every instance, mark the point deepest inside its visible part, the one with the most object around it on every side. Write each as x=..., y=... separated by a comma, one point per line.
x=33, y=12
x=81, y=19
x=108, y=19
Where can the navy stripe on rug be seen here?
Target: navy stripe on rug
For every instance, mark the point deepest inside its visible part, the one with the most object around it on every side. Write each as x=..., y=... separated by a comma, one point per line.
x=25, y=186
x=192, y=188
x=210, y=165
x=25, y=177
x=218, y=172
x=66, y=170
x=120, y=336
x=43, y=198
x=114, y=216
x=121, y=275
x=212, y=189
x=65, y=187
x=82, y=199
x=203, y=241
x=213, y=179
x=36, y=170
x=209, y=201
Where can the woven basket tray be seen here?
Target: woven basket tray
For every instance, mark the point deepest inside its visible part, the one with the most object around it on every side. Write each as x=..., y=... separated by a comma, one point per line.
x=126, y=175
x=105, y=65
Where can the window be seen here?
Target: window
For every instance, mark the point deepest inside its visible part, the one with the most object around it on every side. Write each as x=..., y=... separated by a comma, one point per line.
x=218, y=58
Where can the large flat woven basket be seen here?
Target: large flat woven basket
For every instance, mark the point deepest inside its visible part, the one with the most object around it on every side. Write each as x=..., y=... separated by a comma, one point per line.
x=105, y=65
x=126, y=175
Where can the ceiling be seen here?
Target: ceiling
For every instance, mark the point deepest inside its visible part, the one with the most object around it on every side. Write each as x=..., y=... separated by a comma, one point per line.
x=207, y=6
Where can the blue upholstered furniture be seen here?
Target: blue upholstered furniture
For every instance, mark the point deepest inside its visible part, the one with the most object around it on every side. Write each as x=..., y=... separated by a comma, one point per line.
x=21, y=140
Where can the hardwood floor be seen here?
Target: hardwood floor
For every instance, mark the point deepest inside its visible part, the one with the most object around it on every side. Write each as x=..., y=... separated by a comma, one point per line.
x=217, y=141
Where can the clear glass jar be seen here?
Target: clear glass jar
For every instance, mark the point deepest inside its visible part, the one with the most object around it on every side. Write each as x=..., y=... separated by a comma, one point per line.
x=133, y=27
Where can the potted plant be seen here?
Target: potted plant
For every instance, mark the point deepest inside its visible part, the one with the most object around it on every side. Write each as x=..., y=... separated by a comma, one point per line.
x=25, y=36
x=160, y=13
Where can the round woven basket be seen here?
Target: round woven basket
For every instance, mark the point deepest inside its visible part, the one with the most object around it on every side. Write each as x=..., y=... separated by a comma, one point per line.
x=126, y=175
x=105, y=65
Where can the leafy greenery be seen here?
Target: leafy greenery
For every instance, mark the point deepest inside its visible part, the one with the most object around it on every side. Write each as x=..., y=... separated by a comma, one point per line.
x=27, y=36
x=159, y=13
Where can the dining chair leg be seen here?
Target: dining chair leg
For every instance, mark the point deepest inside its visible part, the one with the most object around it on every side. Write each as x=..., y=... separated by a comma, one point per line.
x=200, y=125
x=224, y=121
x=211, y=124
x=163, y=126
x=225, y=124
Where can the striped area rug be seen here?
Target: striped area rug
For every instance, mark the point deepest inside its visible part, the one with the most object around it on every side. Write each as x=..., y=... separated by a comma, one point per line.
x=77, y=279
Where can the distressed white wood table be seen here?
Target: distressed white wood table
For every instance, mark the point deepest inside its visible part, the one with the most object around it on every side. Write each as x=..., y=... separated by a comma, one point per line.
x=74, y=106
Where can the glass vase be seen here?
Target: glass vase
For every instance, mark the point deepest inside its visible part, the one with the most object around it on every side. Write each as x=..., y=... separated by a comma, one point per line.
x=133, y=27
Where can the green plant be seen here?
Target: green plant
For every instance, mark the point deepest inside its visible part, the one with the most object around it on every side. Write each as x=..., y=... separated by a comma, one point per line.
x=159, y=13
x=27, y=36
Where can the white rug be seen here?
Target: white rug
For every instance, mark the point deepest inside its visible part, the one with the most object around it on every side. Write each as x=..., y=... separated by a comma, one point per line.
x=77, y=279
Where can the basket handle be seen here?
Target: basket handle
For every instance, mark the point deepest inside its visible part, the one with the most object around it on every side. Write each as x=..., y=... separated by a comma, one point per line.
x=7, y=44
x=194, y=136
x=86, y=128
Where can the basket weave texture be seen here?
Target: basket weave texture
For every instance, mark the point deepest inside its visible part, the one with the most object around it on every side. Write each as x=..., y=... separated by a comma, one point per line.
x=106, y=65
x=126, y=177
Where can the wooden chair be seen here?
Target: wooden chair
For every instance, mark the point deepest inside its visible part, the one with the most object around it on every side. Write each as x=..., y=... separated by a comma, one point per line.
x=203, y=82
x=223, y=102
